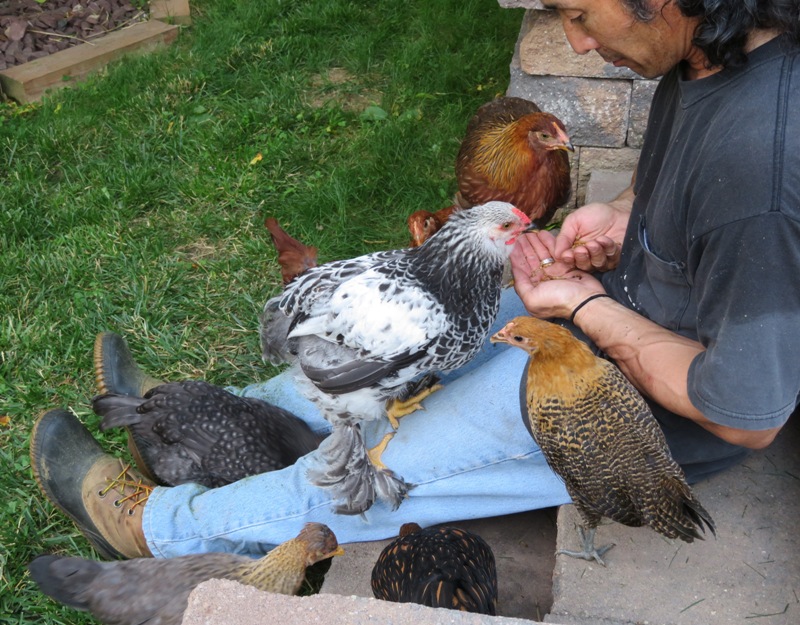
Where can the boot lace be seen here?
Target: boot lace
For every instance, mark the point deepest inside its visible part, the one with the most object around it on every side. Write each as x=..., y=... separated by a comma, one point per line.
x=139, y=491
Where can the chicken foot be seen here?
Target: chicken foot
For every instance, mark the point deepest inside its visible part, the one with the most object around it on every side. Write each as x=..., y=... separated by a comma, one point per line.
x=411, y=400
x=589, y=551
x=376, y=452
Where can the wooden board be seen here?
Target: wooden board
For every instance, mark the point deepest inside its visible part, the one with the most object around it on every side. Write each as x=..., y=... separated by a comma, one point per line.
x=29, y=81
x=171, y=11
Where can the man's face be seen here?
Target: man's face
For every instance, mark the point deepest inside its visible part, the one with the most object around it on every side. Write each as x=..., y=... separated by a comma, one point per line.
x=648, y=48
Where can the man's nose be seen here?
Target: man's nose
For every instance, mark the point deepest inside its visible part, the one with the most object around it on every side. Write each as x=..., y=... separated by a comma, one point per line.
x=578, y=39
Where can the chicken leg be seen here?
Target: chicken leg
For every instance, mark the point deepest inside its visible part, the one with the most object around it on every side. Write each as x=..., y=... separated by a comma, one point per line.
x=589, y=551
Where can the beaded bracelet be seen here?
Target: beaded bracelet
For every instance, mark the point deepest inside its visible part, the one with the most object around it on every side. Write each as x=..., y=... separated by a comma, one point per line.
x=584, y=302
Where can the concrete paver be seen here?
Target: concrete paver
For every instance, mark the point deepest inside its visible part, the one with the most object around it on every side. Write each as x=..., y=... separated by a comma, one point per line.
x=748, y=574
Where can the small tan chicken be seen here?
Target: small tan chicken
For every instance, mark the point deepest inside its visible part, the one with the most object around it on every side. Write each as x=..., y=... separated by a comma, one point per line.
x=156, y=590
x=598, y=434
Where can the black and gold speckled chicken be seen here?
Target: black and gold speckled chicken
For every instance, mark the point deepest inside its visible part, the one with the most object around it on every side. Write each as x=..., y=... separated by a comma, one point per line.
x=599, y=435
x=193, y=431
x=156, y=590
x=440, y=567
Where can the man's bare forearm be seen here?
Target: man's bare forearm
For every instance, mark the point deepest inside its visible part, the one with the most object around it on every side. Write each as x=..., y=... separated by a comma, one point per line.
x=657, y=362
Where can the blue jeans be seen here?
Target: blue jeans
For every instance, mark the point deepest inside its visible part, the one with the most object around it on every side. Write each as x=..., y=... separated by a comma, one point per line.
x=468, y=454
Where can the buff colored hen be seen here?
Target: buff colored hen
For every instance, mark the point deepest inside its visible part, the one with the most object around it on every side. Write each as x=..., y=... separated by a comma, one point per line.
x=598, y=434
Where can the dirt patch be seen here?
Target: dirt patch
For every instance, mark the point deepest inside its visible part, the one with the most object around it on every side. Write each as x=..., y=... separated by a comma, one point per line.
x=339, y=87
x=30, y=30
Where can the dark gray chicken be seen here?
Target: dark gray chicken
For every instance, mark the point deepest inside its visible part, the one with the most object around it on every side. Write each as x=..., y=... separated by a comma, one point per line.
x=156, y=590
x=598, y=434
x=194, y=431
x=441, y=567
x=361, y=330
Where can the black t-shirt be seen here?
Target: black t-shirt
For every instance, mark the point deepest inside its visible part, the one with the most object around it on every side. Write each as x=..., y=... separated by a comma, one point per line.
x=712, y=250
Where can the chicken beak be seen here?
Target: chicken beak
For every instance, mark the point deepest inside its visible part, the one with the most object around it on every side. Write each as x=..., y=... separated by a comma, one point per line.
x=531, y=227
x=339, y=551
x=498, y=337
x=566, y=142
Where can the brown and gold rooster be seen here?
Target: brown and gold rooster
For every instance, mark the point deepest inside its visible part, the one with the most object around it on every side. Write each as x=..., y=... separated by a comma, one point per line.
x=513, y=152
x=156, y=590
x=599, y=435
x=294, y=257
x=440, y=567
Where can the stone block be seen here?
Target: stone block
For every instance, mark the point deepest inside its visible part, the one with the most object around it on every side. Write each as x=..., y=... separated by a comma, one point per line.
x=594, y=159
x=594, y=111
x=641, y=96
x=545, y=51
x=223, y=602
x=605, y=185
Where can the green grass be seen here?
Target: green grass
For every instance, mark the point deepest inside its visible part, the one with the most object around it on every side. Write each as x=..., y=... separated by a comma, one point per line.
x=135, y=202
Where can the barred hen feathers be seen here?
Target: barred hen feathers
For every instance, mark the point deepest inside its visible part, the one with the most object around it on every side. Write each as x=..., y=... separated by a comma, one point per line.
x=598, y=434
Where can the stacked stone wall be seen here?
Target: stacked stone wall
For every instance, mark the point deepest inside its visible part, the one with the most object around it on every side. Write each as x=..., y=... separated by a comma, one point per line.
x=604, y=107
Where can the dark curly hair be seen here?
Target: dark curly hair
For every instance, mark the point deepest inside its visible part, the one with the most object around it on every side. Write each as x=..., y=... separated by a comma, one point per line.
x=725, y=24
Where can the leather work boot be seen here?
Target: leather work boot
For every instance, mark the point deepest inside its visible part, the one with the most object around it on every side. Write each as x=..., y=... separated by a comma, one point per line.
x=103, y=496
x=116, y=371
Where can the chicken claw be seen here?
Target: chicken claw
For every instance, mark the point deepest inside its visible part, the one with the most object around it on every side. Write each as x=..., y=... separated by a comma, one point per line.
x=400, y=408
x=376, y=452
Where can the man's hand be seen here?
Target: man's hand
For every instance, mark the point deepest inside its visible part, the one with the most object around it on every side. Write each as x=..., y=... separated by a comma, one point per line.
x=591, y=237
x=548, y=289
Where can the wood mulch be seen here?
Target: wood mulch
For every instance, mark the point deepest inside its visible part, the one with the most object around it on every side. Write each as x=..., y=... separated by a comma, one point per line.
x=30, y=30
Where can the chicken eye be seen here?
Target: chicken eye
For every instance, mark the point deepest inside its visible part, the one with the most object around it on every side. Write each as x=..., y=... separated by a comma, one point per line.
x=545, y=136
x=506, y=225
x=518, y=339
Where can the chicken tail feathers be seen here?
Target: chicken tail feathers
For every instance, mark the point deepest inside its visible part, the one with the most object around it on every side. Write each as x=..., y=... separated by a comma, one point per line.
x=117, y=410
x=699, y=517
x=678, y=513
x=347, y=472
x=64, y=579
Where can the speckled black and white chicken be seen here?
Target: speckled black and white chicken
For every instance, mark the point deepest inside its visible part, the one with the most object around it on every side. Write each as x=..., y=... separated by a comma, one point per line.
x=440, y=567
x=193, y=431
x=156, y=590
x=598, y=434
x=362, y=331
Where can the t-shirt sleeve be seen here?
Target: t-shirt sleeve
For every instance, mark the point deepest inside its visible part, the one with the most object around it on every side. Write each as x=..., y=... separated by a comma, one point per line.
x=749, y=321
